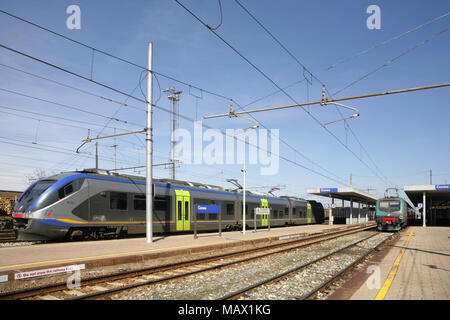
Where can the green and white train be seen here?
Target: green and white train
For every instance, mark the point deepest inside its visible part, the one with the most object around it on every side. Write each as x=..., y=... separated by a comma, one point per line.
x=392, y=213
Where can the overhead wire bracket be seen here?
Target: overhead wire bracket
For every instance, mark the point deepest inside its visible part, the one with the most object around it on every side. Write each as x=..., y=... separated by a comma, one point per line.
x=232, y=113
x=325, y=102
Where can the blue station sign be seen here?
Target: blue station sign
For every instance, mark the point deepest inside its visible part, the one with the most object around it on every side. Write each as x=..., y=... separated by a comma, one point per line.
x=328, y=190
x=442, y=187
x=205, y=209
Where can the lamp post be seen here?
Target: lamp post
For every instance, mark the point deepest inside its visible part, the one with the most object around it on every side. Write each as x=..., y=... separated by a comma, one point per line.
x=243, y=201
x=233, y=113
x=244, y=171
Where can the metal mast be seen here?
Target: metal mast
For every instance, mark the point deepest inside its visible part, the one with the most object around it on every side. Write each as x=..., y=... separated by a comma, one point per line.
x=173, y=96
x=149, y=146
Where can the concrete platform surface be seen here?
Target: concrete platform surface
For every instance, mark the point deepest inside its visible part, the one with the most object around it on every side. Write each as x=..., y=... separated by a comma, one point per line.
x=421, y=271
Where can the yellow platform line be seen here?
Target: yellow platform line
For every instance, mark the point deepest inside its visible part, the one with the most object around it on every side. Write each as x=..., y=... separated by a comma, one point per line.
x=130, y=252
x=384, y=289
x=273, y=236
x=108, y=255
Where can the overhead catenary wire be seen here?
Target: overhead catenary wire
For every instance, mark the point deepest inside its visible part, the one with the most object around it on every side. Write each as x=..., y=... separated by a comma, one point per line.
x=68, y=106
x=154, y=105
x=112, y=56
x=362, y=96
x=275, y=84
x=57, y=150
x=347, y=60
x=389, y=62
x=343, y=61
x=303, y=66
x=49, y=30
x=73, y=87
x=276, y=40
x=129, y=105
x=153, y=72
x=57, y=117
x=221, y=17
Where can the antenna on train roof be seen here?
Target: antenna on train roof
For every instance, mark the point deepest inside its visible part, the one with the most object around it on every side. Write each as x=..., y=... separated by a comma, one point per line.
x=236, y=183
x=386, y=193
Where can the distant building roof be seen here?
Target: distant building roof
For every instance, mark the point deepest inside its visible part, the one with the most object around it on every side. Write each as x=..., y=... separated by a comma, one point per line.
x=344, y=193
x=439, y=192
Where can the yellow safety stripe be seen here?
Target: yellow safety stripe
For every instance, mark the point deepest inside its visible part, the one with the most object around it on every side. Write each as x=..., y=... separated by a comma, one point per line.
x=383, y=291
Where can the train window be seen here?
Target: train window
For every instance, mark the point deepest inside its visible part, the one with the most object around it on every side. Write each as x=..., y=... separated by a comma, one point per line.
x=286, y=211
x=201, y=216
x=230, y=209
x=160, y=204
x=68, y=189
x=139, y=202
x=186, y=211
x=65, y=191
x=384, y=205
x=118, y=201
x=180, y=210
x=389, y=206
x=395, y=205
x=294, y=211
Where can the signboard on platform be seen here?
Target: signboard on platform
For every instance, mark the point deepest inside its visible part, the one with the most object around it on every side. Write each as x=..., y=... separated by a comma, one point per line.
x=44, y=272
x=208, y=209
x=328, y=190
x=419, y=205
x=260, y=211
x=4, y=278
x=442, y=187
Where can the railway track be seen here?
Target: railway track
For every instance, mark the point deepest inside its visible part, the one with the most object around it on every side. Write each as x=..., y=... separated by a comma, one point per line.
x=302, y=279
x=108, y=285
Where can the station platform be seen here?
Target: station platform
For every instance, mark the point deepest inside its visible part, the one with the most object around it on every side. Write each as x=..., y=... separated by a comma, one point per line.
x=415, y=267
x=163, y=249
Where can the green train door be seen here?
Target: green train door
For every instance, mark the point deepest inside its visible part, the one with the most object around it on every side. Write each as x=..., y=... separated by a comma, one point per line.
x=183, y=210
x=308, y=214
x=264, y=217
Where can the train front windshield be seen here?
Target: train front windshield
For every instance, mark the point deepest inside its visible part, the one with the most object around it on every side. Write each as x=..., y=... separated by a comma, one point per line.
x=28, y=197
x=389, y=206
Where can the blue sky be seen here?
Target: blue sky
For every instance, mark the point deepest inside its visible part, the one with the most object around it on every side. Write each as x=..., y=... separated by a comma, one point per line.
x=405, y=135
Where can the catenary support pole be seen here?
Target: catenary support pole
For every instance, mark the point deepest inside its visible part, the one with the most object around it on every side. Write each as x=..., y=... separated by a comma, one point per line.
x=424, y=214
x=244, y=170
x=330, y=210
x=149, y=146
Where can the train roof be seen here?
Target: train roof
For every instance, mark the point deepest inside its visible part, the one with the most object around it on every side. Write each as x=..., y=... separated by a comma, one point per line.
x=192, y=184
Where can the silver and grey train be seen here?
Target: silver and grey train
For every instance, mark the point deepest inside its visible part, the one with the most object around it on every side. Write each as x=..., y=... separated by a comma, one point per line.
x=93, y=204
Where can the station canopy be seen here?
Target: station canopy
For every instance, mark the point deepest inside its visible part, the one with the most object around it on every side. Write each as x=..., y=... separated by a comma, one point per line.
x=440, y=193
x=344, y=193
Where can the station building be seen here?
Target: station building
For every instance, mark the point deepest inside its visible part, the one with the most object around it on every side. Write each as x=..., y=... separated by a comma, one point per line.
x=433, y=201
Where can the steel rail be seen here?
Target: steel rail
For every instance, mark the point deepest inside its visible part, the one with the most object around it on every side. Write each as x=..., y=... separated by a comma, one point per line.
x=291, y=244
x=280, y=276
x=327, y=283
